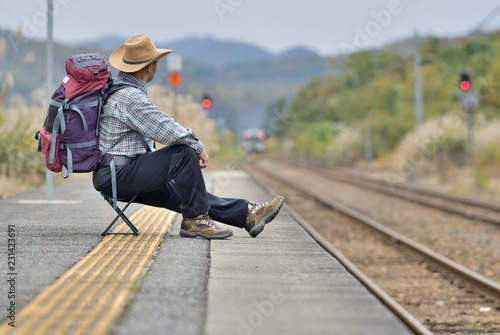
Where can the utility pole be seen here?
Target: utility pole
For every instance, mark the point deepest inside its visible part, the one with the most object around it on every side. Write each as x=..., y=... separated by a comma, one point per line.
x=174, y=77
x=368, y=145
x=419, y=106
x=48, y=174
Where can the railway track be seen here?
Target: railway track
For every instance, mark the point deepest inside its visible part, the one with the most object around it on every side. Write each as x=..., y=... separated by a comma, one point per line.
x=469, y=208
x=443, y=295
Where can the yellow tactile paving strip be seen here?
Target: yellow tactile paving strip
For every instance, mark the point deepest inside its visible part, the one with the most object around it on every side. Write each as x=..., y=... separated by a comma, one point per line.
x=92, y=295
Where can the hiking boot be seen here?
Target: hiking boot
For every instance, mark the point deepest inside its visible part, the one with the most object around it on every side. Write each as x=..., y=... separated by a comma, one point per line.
x=203, y=226
x=260, y=215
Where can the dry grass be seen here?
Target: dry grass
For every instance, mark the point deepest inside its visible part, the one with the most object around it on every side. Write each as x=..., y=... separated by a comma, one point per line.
x=434, y=156
x=10, y=187
x=188, y=113
x=432, y=135
x=346, y=147
x=22, y=167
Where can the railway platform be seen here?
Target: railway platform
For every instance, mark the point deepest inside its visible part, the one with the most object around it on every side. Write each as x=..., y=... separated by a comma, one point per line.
x=60, y=276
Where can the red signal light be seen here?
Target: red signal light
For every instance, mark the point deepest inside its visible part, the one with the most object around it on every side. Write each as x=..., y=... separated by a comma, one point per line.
x=465, y=81
x=206, y=103
x=464, y=85
x=261, y=136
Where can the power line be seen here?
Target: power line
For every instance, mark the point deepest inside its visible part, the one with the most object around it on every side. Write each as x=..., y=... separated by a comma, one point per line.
x=486, y=20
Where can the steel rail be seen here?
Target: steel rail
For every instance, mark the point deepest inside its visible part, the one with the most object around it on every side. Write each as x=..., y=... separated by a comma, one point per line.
x=401, y=185
x=412, y=193
x=430, y=192
x=487, y=285
x=407, y=318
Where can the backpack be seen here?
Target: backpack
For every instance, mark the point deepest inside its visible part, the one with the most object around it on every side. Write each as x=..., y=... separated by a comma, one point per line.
x=69, y=137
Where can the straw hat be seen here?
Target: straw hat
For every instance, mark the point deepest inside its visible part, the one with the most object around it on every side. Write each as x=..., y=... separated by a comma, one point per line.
x=137, y=52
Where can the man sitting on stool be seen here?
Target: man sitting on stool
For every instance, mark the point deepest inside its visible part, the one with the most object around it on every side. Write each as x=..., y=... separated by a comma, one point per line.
x=170, y=177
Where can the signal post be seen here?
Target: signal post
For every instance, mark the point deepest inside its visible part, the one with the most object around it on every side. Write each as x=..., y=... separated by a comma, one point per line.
x=174, y=77
x=469, y=99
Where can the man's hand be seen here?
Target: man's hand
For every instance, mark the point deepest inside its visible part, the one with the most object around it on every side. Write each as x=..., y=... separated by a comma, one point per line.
x=203, y=159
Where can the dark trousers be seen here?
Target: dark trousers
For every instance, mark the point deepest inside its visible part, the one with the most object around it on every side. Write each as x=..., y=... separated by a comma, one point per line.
x=171, y=178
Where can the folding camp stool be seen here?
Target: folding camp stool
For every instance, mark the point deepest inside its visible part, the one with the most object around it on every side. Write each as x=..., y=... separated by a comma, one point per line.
x=121, y=214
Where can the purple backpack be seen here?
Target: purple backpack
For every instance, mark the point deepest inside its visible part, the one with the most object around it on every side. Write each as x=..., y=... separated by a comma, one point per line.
x=69, y=138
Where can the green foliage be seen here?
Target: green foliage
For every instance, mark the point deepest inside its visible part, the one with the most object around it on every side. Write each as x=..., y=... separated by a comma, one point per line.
x=312, y=139
x=377, y=88
x=276, y=116
x=488, y=156
x=388, y=131
x=487, y=160
x=481, y=178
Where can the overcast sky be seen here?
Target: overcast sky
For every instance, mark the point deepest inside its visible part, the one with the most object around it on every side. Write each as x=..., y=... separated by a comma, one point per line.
x=327, y=26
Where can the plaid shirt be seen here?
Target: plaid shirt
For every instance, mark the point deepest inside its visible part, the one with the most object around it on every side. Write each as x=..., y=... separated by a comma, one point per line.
x=130, y=109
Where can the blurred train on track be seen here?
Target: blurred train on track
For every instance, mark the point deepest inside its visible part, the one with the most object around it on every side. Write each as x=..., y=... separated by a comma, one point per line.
x=253, y=140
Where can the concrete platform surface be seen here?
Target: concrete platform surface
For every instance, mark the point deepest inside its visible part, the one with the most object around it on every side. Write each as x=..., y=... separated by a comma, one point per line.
x=281, y=282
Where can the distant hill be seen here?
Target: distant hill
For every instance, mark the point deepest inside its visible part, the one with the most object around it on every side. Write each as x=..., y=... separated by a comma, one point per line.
x=108, y=43
x=298, y=52
x=209, y=51
x=242, y=79
x=217, y=53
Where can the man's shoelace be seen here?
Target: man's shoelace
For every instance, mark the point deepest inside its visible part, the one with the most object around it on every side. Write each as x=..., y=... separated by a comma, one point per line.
x=207, y=220
x=204, y=219
x=256, y=207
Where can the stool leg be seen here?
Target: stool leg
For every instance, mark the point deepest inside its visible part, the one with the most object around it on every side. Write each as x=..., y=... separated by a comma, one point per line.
x=121, y=214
